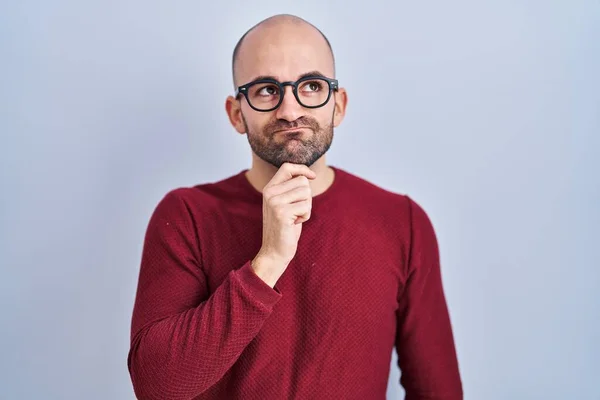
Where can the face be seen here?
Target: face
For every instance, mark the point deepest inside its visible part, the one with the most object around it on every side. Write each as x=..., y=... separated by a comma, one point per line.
x=290, y=133
x=301, y=141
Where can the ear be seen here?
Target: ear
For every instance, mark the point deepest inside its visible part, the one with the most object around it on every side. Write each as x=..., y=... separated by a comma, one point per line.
x=341, y=100
x=234, y=112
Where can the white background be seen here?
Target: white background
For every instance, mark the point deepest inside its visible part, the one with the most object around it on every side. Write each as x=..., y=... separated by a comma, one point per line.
x=486, y=113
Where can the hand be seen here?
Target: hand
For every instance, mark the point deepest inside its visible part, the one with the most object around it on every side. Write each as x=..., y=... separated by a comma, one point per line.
x=287, y=203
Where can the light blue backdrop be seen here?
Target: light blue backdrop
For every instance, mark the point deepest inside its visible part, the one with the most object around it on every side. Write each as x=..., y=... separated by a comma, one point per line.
x=487, y=113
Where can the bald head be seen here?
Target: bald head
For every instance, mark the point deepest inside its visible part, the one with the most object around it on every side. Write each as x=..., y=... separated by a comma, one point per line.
x=276, y=34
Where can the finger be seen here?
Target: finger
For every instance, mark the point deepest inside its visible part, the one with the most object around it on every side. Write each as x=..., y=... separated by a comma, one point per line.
x=289, y=170
x=292, y=196
x=300, y=211
x=298, y=181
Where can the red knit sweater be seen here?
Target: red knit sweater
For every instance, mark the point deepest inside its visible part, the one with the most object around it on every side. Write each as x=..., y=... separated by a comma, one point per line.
x=365, y=278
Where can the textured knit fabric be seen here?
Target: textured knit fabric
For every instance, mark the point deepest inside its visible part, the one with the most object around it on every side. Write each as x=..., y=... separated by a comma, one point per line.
x=365, y=278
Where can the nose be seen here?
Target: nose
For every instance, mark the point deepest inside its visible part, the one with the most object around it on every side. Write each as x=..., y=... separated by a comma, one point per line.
x=289, y=109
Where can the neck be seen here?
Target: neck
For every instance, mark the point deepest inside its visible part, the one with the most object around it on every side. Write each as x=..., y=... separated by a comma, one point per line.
x=262, y=172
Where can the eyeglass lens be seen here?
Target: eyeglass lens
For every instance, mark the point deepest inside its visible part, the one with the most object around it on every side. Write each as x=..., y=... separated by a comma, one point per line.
x=311, y=93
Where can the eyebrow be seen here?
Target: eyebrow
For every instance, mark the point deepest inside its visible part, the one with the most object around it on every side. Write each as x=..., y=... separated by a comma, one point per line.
x=311, y=73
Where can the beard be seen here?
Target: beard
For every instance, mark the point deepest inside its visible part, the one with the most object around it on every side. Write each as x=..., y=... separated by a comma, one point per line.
x=277, y=151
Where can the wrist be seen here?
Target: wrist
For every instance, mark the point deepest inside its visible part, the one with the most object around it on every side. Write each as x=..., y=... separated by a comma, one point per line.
x=266, y=268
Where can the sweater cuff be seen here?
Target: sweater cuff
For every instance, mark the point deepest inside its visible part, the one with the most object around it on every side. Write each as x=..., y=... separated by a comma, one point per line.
x=255, y=285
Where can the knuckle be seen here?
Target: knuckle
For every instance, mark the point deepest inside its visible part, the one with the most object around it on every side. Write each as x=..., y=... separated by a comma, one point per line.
x=271, y=201
x=279, y=212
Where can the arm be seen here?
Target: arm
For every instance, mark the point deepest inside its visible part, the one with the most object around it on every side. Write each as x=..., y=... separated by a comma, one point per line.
x=183, y=340
x=424, y=342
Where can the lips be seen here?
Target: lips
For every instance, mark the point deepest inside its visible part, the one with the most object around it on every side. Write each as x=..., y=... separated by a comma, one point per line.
x=291, y=130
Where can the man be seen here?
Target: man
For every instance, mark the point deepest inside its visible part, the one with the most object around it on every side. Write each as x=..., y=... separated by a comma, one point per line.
x=293, y=279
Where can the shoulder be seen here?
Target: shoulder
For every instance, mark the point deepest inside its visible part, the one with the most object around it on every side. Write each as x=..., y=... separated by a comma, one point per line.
x=369, y=193
x=195, y=199
x=388, y=202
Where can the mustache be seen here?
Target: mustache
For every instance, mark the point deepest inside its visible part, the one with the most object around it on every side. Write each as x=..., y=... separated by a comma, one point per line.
x=302, y=122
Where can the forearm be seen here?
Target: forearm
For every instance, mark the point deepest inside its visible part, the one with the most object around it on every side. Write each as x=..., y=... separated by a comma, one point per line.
x=425, y=339
x=181, y=356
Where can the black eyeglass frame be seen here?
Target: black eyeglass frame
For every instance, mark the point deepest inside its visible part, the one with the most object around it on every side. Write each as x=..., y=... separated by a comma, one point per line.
x=333, y=86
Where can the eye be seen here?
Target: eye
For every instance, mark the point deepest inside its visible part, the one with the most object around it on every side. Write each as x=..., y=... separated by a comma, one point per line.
x=312, y=86
x=270, y=90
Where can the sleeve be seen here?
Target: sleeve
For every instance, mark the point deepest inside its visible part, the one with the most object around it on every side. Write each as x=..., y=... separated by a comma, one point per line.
x=424, y=341
x=183, y=340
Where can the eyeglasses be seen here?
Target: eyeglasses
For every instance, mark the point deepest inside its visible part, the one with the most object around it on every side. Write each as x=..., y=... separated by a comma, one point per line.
x=267, y=94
